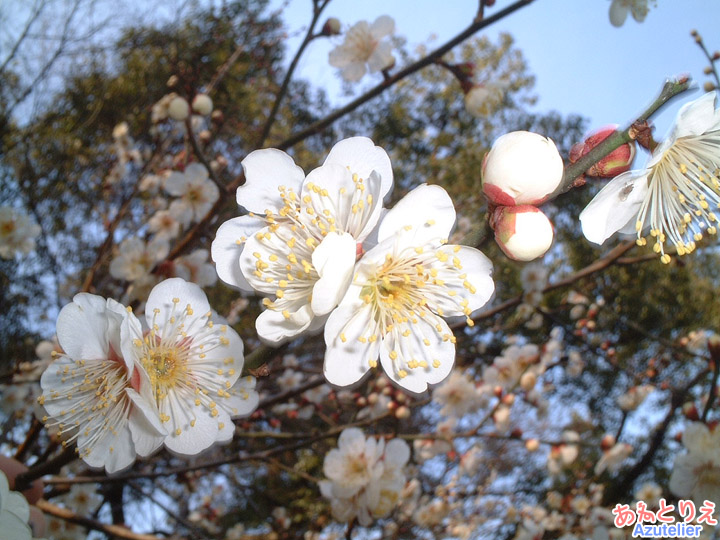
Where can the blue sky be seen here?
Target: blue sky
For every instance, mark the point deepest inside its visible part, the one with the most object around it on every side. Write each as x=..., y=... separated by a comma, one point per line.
x=582, y=64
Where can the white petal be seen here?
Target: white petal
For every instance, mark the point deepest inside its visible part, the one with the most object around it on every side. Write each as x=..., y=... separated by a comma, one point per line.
x=244, y=398
x=697, y=117
x=226, y=250
x=340, y=57
x=82, y=328
x=197, y=171
x=413, y=347
x=14, y=527
x=618, y=13
x=354, y=72
x=146, y=429
x=383, y=26
x=361, y=156
x=192, y=439
x=114, y=451
x=265, y=171
x=181, y=210
x=426, y=208
x=352, y=441
x=334, y=261
x=162, y=295
x=397, y=453
x=614, y=207
x=347, y=361
x=176, y=184
x=381, y=57
x=274, y=328
x=479, y=274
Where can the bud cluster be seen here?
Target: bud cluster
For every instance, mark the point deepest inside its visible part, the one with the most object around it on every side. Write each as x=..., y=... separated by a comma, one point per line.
x=520, y=172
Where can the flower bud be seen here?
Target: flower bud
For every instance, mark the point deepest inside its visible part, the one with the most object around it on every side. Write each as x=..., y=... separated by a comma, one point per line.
x=202, y=104
x=708, y=86
x=607, y=442
x=532, y=445
x=178, y=109
x=331, y=27
x=521, y=168
x=616, y=162
x=172, y=81
x=523, y=232
x=402, y=412
x=528, y=380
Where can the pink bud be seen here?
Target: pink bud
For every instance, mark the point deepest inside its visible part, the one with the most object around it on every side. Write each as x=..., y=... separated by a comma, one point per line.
x=523, y=232
x=616, y=162
x=521, y=168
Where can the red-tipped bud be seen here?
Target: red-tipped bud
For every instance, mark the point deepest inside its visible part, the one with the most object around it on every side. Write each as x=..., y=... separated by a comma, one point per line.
x=523, y=232
x=616, y=162
x=331, y=27
x=690, y=411
x=607, y=442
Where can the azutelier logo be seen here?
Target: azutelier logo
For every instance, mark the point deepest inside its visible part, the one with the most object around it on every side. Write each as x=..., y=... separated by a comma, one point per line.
x=661, y=523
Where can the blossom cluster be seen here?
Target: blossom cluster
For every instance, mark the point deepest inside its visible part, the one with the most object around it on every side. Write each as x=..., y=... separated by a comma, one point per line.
x=365, y=476
x=325, y=252
x=122, y=388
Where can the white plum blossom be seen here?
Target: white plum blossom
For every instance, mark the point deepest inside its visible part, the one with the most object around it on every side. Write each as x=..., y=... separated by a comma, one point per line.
x=92, y=391
x=675, y=196
x=300, y=241
x=192, y=367
x=164, y=225
x=521, y=168
x=364, y=49
x=83, y=499
x=633, y=398
x=613, y=458
x=135, y=258
x=650, y=493
x=365, y=476
x=17, y=232
x=401, y=290
x=696, y=474
x=196, y=192
x=457, y=395
x=196, y=268
x=619, y=10
x=14, y=512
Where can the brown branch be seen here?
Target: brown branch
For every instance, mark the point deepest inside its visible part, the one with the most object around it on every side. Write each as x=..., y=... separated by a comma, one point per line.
x=113, y=531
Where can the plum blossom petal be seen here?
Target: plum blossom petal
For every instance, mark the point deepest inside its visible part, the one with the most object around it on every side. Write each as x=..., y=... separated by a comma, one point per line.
x=265, y=171
x=615, y=207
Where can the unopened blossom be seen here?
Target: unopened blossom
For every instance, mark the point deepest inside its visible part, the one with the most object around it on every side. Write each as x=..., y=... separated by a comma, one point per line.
x=91, y=392
x=524, y=233
x=192, y=366
x=300, y=241
x=14, y=512
x=364, y=49
x=178, y=108
x=619, y=10
x=365, y=476
x=401, y=290
x=616, y=162
x=196, y=268
x=196, y=192
x=202, y=104
x=17, y=232
x=457, y=395
x=696, y=473
x=613, y=459
x=677, y=194
x=521, y=168
x=135, y=258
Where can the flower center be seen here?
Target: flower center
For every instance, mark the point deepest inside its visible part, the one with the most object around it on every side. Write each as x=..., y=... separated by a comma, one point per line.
x=708, y=475
x=7, y=228
x=683, y=192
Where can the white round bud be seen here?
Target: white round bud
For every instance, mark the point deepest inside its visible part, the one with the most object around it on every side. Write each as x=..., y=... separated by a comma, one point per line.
x=528, y=380
x=202, y=104
x=178, y=109
x=521, y=168
x=523, y=232
x=479, y=100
